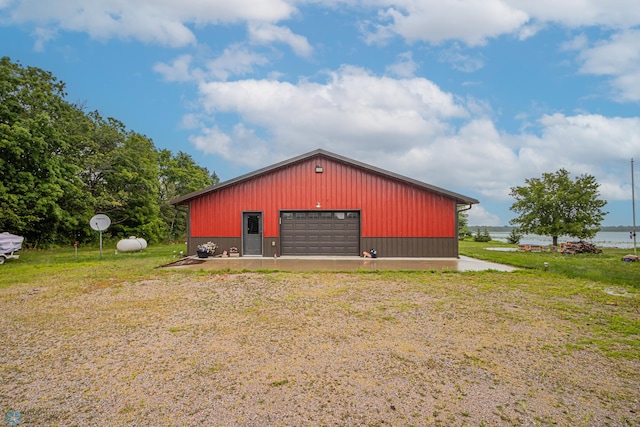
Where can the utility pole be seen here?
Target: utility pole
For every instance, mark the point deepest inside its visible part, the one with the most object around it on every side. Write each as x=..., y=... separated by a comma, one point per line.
x=633, y=203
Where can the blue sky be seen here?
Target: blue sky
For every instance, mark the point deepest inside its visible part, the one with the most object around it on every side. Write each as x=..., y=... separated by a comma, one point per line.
x=474, y=96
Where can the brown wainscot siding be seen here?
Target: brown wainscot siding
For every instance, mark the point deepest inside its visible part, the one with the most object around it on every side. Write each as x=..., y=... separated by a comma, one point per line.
x=267, y=249
x=421, y=247
x=224, y=243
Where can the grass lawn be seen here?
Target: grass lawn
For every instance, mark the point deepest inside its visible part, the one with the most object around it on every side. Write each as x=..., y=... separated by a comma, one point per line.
x=606, y=267
x=116, y=341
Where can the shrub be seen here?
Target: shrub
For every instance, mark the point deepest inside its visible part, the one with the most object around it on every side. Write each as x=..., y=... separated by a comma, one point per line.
x=484, y=237
x=514, y=237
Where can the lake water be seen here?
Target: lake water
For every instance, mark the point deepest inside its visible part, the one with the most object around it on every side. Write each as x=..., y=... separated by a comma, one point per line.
x=603, y=239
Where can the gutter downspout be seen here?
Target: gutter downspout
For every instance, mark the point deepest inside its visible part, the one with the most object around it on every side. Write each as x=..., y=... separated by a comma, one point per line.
x=465, y=209
x=457, y=225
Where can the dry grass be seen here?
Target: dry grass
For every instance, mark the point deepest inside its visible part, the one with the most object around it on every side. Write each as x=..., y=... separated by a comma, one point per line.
x=321, y=349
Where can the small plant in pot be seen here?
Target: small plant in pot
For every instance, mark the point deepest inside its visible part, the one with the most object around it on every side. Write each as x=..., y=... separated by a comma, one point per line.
x=206, y=249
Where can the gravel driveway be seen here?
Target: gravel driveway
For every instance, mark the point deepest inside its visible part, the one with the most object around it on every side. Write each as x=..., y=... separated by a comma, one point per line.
x=293, y=349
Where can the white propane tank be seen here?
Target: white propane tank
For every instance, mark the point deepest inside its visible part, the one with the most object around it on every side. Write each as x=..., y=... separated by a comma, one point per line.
x=132, y=244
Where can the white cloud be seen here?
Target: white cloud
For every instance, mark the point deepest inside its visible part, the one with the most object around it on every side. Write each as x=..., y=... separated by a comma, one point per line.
x=353, y=107
x=584, y=140
x=581, y=13
x=618, y=57
x=478, y=215
x=163, y=22
x=171, y=23
x=263, y=33
x=475, y=156
x=577, y=43
x=191, y=121
x=434, y=21
x=178, y=71
x=42, y=36
x=213, y=141
x=475, y=21
x=530, y=30
x=235, y=145
x=236, y=60
x=405, y=66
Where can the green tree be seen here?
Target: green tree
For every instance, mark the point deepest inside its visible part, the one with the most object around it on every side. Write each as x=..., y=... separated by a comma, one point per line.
x=463, y=225
x=40, y=197
x=135, y=174
x=554, y=205
x=120, y=172
x=179, y=175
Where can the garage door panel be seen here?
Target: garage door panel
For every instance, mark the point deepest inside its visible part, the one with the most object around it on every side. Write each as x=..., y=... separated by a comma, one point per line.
x=287, y=226
x=320, y=233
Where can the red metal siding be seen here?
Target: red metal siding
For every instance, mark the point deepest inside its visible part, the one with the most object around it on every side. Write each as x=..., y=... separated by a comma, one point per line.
x=389, y=208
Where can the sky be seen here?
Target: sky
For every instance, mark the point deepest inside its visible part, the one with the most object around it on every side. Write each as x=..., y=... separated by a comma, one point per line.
x=474, y=96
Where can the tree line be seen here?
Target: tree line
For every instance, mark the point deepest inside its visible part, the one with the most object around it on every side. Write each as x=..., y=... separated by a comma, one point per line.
x=59, y=166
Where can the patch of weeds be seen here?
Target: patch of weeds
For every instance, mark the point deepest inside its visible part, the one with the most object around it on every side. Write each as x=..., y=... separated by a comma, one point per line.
x=128, y=409
x=256, y=306
x=622, y=354
x=279, y=383
x=624, y=325
x=388, y=318
x=337, y=291
x=461, y=393
x=216, y=367
x=546, y=420
x=473, y=359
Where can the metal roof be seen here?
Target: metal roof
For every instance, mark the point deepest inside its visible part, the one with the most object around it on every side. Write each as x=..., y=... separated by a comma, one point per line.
x=331, y=156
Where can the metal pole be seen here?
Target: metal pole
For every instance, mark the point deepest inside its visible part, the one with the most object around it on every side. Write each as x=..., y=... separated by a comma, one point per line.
x=99, y=231
x=633, y=203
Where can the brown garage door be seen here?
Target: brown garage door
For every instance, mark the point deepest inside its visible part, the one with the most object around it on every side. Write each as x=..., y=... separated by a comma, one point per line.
x=320, y=233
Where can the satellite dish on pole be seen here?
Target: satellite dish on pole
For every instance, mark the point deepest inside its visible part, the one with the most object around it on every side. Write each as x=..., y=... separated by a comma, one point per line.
x=100, y=223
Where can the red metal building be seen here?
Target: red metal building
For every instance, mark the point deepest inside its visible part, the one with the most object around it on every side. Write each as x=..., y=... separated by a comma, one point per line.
x=321, y=203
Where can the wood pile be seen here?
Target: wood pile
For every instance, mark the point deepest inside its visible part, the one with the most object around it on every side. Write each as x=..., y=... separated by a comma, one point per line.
x=580, y=247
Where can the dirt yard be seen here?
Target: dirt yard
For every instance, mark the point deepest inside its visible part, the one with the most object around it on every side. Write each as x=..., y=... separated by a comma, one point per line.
x=302, y=349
